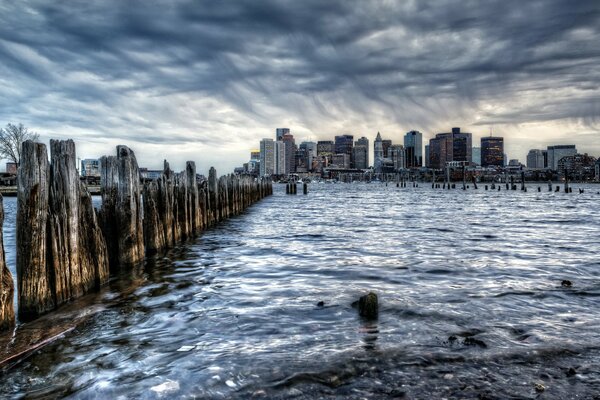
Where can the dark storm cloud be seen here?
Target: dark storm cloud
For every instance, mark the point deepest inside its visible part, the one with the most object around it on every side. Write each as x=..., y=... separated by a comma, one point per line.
x=178, y=72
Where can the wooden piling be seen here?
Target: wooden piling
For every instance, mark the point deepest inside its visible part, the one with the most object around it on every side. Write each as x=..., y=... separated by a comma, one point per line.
x=7, y=287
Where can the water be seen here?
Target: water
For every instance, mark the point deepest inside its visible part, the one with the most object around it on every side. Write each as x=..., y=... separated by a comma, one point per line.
x=471, y=303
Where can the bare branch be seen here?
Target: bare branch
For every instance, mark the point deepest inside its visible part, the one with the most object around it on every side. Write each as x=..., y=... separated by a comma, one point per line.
x=11, y=141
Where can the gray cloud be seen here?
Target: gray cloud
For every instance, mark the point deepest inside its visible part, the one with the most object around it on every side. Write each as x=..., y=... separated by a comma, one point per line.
x=212, y=78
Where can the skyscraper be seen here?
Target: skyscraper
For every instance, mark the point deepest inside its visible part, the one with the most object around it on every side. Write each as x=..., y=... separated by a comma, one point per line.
x=280, y=161
x=343, y=144
x=267, y=157
x=360, y=153
x=290, y=152
x=461, y=145
x=279, y=132
x=535, y=159
x=310, y=152
x=325, y=147
x=378, y=153
x=386, y=144
x=492, y=151
x=413, y=147
x=555, y=153
x=427, y=164
x=398, y=156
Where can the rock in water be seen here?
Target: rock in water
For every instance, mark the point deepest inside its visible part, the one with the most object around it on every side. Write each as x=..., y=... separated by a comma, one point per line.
x=368, y=306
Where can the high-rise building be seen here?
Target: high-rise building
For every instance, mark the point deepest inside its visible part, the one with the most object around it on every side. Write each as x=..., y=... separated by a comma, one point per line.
x=378, y=153
x=413, y=147
x=340, y=160
x=450, y=146
x=325, y=148
x=310, y=152
x=427, y=164
x=535, y=159
x=343, y=144
x=438, y=151
x=386, y=144
x=398, y=156
x=280, y=161
x=461, y=145
x=476, y=155
x=555, y=153
x=360, y=153
x=290, y=153
x=279, y=132
x=255, y=155
x=267, y=157
x=492, y=151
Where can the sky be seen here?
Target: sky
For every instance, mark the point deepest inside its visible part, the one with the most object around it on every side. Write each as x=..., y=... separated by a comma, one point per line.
x=206, y=80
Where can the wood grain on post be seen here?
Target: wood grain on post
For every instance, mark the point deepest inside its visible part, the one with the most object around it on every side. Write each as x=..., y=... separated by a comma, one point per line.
x=33, y=278
x=7, y=287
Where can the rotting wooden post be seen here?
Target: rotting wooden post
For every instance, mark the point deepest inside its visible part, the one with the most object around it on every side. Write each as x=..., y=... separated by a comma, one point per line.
x=7, y=287
x=212, y=195
x=33, y=278
x=121, y=207
x=154, y=231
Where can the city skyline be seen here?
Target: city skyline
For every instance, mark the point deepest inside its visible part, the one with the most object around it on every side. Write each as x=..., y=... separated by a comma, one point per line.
x=184, y=82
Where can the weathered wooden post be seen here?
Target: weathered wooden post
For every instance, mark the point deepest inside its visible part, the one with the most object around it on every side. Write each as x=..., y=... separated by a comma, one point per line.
x=33, y=278
x=7, y=287
x=121, y=212
x=305, y=188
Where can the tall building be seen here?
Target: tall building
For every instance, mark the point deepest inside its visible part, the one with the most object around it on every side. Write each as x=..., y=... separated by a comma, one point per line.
x=290, y=152
x=343, y=144
x=438, y=151
x=492, y=151
x=255, y=155
x=279, y=159
x=310, y=152
x=340, y=160
x=535, y=159
x=476, y=155
x=461, y=145
x=360, y=153
x=378, y=153
x=279, y=132
x=267, y=157
x=398, y=155
x=386, y=144
x=450, y=146
x=555, y=153
x=427, y=164
x=325, y=148
x=413, y=147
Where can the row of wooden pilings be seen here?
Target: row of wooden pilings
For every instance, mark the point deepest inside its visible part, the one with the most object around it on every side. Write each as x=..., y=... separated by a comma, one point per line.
x=66, y=248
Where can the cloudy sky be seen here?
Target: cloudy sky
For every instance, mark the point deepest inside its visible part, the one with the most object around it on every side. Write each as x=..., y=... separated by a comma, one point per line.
x=206, y=80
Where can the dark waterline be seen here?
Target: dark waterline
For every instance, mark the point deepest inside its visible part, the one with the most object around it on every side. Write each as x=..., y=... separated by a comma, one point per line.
x=469, y=285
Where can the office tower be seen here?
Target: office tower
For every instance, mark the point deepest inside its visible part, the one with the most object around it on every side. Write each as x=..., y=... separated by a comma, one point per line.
x=461, y=145
x=360, y=153
x=267, y=157
x=427, y=163
x=492, y=151
x=341, y=160
x=290, y=153
x=279, y=132
x=343, y=144
x=378, y=153
x=413, y=147
x=325, y=148
x=310, y=152
x=398, y=156
x=476, y=155
x=280, y=158
x=555, y=153
x=535, y=159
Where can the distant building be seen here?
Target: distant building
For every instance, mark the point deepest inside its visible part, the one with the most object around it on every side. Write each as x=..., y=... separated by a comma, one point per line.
x=344, y=144
x=378, y=153
x=492, y=151
x=398, y=156
x=386, y=144
x=309, y=151
x=90, y=167
x=255, y=155
x=535, y=159
x=290, y=153
x=341, y=160
x=555, y=153
x=476, y=155
x=413, y=147
x=11, y=168
x=153, y=174
x=451, y=146
x=280, y=158
x=279, y=132
x=360, y=153
x=325, y=148
x=427, y=164
x=267, y=157
x=579, y=166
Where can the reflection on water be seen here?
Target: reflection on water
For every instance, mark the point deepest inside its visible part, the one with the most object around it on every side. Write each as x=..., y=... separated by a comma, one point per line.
x=469, y=284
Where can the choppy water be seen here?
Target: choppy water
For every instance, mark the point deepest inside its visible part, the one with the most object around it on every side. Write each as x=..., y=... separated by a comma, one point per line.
x=471, y=303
